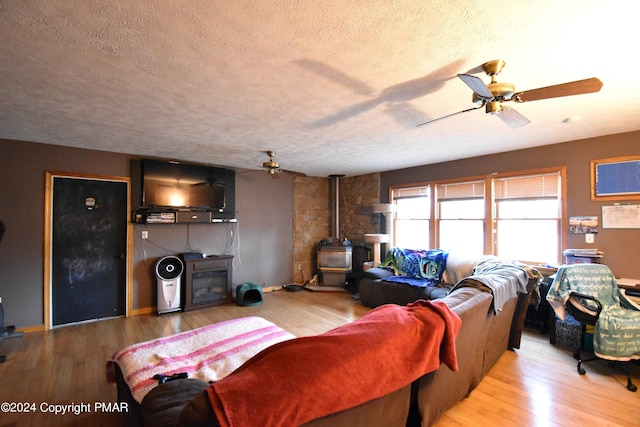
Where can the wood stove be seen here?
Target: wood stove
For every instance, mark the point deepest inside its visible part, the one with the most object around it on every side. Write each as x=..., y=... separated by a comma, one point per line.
x=334, y=263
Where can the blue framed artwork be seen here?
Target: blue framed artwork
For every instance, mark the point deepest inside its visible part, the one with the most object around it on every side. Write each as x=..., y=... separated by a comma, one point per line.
x=615, y=179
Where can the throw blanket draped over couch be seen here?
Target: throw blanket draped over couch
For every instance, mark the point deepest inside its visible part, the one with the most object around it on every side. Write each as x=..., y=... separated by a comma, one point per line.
x=428, y=269
x=209, y=353
x=310, y=377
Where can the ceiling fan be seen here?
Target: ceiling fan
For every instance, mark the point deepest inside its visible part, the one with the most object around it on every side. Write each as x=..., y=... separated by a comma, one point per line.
x=273, y=168
x=493, y=95
x=209, y=181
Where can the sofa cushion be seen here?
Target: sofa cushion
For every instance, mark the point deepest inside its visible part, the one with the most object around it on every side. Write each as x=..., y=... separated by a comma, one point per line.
x=378, y=292
x=440, y=390
x=459, y=267
x=377, y=273
x=162, y=405
x=198, y=413
x=389, y=410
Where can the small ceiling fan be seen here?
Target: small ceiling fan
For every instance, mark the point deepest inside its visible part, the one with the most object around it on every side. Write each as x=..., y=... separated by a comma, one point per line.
x=273, y=168
x=209, y=181
x=493, y=95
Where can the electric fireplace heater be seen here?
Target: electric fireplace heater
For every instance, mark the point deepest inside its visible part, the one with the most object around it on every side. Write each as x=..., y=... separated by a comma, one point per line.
x=207, y=281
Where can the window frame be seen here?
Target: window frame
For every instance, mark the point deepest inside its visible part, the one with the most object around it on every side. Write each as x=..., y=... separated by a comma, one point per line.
x=429, y=219
x=436, y=201
x=490, y=219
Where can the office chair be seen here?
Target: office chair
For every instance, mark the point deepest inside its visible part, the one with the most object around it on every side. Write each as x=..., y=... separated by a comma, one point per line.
x=589, y=293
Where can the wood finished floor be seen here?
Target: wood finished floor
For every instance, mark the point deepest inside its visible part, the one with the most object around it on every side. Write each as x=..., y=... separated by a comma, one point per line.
x=535, y=386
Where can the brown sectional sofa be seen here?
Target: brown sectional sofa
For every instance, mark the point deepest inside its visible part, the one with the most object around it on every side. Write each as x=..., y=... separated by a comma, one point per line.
x=440, y=390
x=484, y=336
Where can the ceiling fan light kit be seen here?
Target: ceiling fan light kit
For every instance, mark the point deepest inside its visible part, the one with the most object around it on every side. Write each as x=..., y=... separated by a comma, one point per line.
x=271, y=165
x=492, y=95
x=273, y=168
x=493, y=107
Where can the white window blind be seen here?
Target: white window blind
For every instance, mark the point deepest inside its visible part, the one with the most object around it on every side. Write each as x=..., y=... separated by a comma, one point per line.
x=460, y=190
x=527, y=187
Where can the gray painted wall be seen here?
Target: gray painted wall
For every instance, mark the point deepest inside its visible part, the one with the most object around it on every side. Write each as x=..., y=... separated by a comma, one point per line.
x=265, y=214
x=621, y=247
x=264, y=231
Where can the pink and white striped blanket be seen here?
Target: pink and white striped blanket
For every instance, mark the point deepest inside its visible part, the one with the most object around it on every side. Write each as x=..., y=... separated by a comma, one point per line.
x=209, y=353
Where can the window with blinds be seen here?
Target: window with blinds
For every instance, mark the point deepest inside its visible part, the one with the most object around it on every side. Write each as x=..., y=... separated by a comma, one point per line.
x=515, y=216
x=528, y=212
x=460, y=217
x=412, y=215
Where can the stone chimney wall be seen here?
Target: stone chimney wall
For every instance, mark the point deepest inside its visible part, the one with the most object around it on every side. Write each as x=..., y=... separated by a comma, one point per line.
x=314, y=216
x=311, y=207
x=357, y=195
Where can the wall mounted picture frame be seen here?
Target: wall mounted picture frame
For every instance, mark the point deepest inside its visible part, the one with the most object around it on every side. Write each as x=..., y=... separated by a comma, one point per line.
x=615, y=179
x=583, y=224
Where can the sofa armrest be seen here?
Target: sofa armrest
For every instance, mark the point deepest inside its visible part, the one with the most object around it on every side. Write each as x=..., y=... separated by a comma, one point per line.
x=377, y=273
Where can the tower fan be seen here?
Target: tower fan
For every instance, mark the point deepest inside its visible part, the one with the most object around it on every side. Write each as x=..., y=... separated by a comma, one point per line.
x=168, y=273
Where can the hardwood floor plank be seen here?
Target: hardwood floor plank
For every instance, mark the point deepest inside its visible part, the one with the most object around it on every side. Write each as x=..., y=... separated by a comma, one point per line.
x=536, y=385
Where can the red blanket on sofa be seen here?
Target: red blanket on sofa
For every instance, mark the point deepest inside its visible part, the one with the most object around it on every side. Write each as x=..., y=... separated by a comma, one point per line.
x=296, y=381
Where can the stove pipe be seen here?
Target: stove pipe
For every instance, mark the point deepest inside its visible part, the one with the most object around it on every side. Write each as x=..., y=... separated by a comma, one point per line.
x=336, y=229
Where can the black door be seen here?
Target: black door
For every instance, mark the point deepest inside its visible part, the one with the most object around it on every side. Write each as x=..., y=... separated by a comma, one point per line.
x=88, y=254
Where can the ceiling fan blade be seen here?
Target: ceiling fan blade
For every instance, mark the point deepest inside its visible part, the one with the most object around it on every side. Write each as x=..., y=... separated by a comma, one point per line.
x=477, y=85
x=450, y=115
x=578, y=87
x=512, y=118
x=293, y=172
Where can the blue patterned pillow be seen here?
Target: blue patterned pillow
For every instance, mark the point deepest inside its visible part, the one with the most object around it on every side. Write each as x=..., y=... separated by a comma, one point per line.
x=433, y=264
x=417, y=263
x=412, y=265
x=405, y=262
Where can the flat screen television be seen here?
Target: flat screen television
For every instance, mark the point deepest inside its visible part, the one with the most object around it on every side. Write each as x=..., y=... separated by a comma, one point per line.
x=187, y=186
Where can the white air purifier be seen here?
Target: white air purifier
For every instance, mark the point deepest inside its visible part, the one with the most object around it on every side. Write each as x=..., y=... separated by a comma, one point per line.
x=168, y=273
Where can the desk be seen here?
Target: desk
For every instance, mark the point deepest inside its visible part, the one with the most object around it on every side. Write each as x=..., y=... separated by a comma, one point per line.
x=631, y=288
x=629, y=284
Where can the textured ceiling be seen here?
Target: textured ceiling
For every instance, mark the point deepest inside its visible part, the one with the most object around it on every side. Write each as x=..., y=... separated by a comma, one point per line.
x=333, y=86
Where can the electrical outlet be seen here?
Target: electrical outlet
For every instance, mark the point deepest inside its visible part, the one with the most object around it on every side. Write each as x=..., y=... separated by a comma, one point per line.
x=299, y=267
x=589, y=238
x=145, y=234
